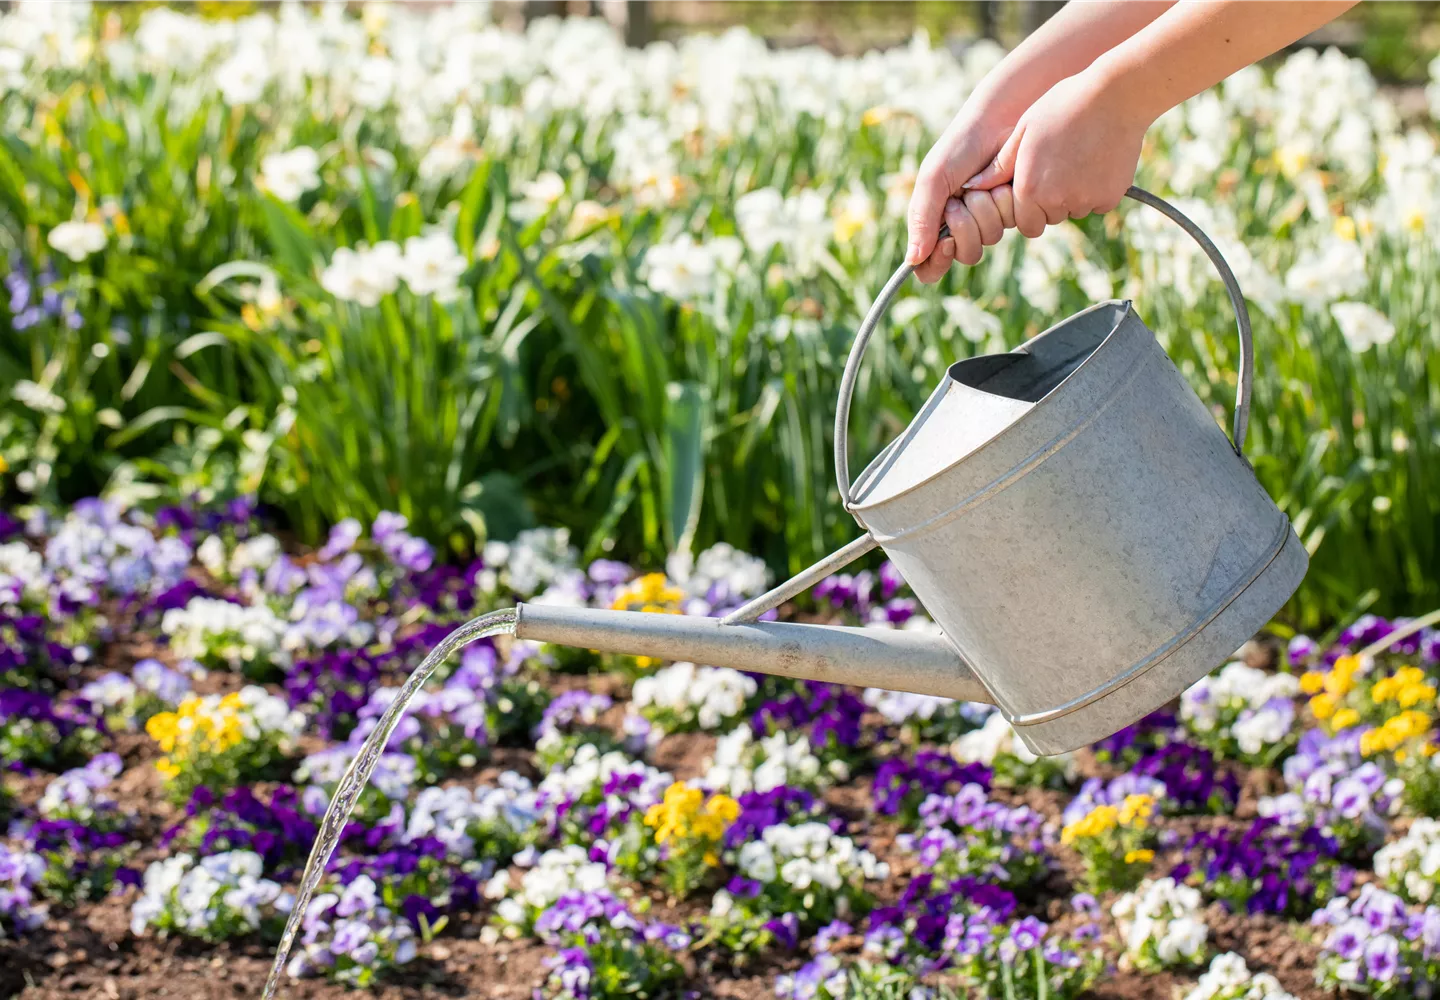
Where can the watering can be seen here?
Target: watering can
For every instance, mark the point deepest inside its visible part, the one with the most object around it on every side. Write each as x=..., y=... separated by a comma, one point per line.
x=1070, y=514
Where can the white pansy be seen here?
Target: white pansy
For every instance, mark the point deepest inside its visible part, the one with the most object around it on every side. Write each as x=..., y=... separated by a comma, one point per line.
x=232, y=633
x=211, y=555
x=807, y=855
x=77, y=240
x=256, y=553
x=708, y=696
x=1262, y=728
x=178, y=893
x=22, y=572
x=743, y=764
x=997, y=737
x=899, y=706
x=1233, y=688
x=1226, y=972
x=1161, y=923
x=534, y=560
x=1411, y=865
x=722, y=572
x=558, y=871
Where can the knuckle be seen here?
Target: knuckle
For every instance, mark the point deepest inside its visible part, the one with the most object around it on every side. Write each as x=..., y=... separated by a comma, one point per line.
x=978, y=200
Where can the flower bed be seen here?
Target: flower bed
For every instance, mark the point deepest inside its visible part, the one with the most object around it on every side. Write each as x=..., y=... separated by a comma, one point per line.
x=601, y=827
x=492, y=279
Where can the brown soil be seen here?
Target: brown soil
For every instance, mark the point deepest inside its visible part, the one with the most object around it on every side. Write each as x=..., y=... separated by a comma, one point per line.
x=90, y=952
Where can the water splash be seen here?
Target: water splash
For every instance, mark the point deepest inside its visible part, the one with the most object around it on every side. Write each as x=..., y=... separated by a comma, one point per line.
x=359, y=771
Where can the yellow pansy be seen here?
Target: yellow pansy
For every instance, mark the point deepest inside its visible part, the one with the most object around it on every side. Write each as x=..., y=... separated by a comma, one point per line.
x=1345, y=718
x=1097, y=821
x=1144, y=855
x=685, y=812
x=651, y=593
x=162, y=728
x=1136, y=809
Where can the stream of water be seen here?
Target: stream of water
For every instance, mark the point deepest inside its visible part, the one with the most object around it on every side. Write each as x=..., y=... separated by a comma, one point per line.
x=358, y=773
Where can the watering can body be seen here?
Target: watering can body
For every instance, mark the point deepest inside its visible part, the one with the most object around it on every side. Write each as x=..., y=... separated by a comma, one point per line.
x=1101, y=550
x=1069, y=513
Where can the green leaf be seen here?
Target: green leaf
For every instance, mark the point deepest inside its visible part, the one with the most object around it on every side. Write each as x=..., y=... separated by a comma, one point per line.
x=685, y=416
x=499, y=499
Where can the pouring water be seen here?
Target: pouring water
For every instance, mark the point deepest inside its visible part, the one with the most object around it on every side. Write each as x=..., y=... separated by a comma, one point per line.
x=358, y=774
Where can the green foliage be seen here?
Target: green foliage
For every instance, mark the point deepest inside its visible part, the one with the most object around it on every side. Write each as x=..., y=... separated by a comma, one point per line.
x=559, y=386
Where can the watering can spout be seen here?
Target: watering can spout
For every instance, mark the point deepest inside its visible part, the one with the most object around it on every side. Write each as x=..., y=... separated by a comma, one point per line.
x=899, y=660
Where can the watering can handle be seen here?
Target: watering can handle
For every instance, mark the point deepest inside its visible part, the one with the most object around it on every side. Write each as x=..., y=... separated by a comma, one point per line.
x=882, y=302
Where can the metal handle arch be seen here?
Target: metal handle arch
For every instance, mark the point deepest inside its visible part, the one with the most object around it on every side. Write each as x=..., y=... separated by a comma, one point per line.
x=882, y=302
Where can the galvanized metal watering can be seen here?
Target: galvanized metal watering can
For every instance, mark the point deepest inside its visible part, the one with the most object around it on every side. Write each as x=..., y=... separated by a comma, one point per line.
x=1086, y=536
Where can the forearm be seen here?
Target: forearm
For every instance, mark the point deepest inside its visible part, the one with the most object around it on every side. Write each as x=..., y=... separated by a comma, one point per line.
x=1193, y=46
x=1065, y=45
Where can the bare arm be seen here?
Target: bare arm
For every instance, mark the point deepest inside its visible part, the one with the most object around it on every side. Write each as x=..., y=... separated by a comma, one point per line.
x=1074, y=149
x=1066, y=44
x=1194, y=46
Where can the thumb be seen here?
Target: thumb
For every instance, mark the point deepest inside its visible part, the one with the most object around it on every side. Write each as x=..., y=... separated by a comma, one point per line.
x=1000, y=170
x=927, y=208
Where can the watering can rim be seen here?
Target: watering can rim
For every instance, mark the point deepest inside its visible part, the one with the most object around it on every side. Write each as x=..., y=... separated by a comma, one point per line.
x=862, y=481
x=893, y=285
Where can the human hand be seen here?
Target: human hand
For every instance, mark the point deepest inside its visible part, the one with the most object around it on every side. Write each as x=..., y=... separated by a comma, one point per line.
x=1073, y=152
x=968, y=144
x=977, y=219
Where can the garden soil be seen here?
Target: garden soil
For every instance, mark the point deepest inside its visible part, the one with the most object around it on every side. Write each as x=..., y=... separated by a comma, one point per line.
x=89, y=951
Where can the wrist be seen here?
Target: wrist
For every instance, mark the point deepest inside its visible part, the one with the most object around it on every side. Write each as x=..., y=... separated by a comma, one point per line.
x=1128, y=89
x=989, y=118
x=1005, y=94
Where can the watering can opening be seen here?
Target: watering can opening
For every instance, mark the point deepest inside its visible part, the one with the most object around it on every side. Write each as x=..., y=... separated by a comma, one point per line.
x=981, y=398
x=1036, y=368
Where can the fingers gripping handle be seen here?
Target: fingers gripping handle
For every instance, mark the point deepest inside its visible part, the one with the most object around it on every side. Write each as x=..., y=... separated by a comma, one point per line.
x=887, y=294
